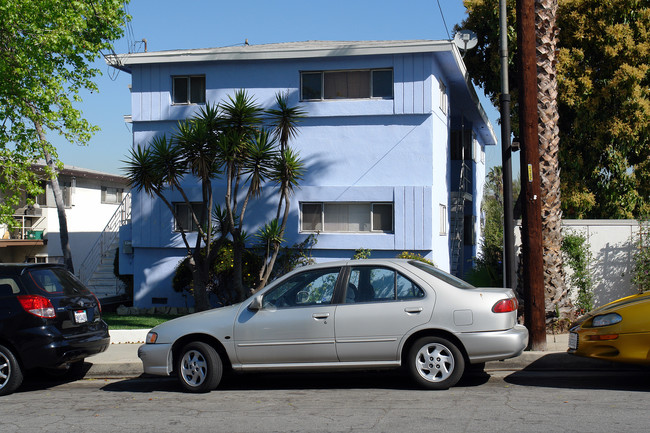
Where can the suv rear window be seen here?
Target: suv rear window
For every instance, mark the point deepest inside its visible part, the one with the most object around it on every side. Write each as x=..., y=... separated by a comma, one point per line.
x=56, y=281
x=10, y=283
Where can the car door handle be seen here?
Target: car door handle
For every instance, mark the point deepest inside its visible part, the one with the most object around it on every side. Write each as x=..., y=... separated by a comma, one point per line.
x=413, y=310
x=320, y=316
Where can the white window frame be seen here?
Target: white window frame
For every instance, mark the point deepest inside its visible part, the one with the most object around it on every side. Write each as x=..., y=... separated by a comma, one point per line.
x=443, y=98
x=443, y=220
x=323, y=206
x=188, y=90
x=371, y=84
x=119, y=193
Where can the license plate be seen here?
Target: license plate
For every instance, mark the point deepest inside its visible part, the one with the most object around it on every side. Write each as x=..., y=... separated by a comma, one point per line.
x=80, y=316
x=573, y=341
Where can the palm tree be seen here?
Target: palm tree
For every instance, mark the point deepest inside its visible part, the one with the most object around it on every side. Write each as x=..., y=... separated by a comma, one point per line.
x=556, y=297
x=288, y=171
x=240, y=120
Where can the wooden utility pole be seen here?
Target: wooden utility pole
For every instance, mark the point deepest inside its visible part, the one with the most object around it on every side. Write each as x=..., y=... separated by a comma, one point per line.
x=533, y=265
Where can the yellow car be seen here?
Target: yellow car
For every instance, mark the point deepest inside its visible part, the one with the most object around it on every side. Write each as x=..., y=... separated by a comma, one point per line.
x=618, y=331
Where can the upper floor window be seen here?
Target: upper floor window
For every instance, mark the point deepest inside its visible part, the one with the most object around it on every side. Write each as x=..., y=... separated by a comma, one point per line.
x=111, y=195
x=346, y=217
x=443, y=98
x=67, y=189
x=188, y=89
x=356, y=84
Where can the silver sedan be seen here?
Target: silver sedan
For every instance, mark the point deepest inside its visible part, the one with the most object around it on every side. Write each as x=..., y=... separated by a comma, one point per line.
x=359, y=314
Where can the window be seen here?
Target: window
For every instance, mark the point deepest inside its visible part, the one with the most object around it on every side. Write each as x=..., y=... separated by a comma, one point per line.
x=443, y=220
x=347, y=217
x=111, y=195
x=41, y=199
x=357, y=84
x=306, y=288
x=444, y=276
x=188, y=89
x=56, y=280
x=462, y=145
x=184, y=218
x=376, y=284
x=443, y=98
x=66, y=191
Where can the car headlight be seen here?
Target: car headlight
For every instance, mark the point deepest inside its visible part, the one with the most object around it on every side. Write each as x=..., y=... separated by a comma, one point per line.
x=151, y=337
x=606, y=320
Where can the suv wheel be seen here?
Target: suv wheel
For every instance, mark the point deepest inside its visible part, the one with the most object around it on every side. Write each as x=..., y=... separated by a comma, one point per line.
x=10, y=374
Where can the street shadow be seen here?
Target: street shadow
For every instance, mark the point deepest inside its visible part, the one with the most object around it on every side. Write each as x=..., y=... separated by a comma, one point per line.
x=389, y=379
x=40, y=379
x=561, y=370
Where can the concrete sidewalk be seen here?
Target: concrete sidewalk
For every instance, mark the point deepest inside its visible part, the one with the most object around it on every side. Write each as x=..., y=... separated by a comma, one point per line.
x=121, y=358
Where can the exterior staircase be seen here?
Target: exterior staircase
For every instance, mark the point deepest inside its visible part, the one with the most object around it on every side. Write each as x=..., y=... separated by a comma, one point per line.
x=457, y=219
x=97, y=271
x=103, y=282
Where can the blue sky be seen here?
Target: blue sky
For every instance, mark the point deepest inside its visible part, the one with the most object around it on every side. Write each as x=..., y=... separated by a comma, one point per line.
x=170, y=25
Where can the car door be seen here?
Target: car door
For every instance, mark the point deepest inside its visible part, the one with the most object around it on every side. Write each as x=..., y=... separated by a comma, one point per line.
x=371, y=323
x=295, y=323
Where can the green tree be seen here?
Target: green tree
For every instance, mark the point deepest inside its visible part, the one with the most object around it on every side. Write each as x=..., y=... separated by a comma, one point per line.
x=46, y=47
x=603, y=74
x=489, y=269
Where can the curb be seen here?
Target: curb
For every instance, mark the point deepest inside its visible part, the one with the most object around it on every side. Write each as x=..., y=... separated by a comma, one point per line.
x=128, y=336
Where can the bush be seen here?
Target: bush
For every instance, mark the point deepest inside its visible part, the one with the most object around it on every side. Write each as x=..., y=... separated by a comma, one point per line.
x=577, y=256
x=414, y=256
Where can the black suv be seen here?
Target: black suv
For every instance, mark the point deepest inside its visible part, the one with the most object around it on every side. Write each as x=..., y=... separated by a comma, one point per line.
x=48, y=318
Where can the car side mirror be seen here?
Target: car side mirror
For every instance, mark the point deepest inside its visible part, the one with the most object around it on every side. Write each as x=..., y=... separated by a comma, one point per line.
x=256, y=305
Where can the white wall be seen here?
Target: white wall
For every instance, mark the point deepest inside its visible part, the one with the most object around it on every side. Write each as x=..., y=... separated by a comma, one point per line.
x=612, y=245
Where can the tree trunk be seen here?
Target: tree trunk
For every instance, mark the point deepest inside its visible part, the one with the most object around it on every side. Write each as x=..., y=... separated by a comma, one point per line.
x=556, y=296
x=58, y=200
x=199, y=278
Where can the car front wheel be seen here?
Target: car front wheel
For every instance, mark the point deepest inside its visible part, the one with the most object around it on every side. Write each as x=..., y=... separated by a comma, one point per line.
x=199, y=367
x=11, y=375
x=435, y=363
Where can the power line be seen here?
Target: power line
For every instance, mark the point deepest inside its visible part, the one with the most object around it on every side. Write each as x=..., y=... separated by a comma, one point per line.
x=443, y=19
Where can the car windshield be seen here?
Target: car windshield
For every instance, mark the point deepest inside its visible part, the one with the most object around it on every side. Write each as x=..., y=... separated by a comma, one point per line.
x=56, y=281
x=441, y=275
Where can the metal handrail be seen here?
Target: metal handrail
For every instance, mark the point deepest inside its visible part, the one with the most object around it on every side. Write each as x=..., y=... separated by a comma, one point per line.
x=106, y=238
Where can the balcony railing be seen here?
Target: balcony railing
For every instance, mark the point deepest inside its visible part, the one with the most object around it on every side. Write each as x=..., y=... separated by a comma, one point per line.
x=27, y=227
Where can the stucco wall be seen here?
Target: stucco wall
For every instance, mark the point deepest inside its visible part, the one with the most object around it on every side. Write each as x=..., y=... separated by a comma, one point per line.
x=612, y=245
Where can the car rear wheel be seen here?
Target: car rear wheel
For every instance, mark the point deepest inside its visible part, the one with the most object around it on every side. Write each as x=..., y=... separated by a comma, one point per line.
x=435, y=363
x=11, y=375
x=199, y=367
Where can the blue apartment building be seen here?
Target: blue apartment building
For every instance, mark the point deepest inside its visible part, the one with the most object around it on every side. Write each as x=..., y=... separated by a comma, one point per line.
x=393, y=143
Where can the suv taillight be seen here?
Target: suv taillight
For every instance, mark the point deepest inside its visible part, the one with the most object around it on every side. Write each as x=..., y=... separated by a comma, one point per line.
x=99, y=304
x=505, y=306
x=37, y=305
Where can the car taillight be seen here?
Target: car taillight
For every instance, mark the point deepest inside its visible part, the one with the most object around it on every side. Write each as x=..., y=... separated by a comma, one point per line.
x=505, y=306
x=99, y=304
x=37, y=305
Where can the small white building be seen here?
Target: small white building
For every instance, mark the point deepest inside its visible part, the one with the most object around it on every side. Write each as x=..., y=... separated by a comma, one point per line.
x=92, y=200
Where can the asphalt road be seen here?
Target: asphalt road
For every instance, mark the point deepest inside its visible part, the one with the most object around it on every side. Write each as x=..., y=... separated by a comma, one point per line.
x=501, y=401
